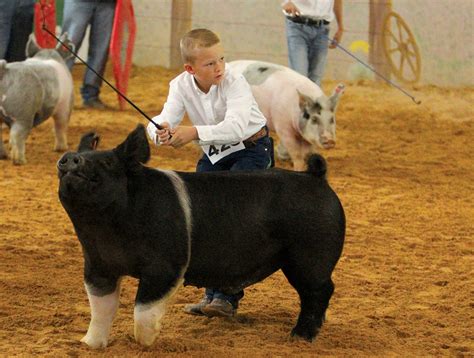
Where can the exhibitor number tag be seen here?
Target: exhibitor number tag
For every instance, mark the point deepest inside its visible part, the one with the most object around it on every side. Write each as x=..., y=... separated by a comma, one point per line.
x=217, y=152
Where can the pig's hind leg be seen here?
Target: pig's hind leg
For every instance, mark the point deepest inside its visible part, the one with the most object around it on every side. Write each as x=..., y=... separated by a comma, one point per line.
x=314, y=297
x=61, y=122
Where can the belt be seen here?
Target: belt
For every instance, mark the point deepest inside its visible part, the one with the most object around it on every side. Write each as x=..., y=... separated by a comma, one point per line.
x=250, y=141
x=307, y=21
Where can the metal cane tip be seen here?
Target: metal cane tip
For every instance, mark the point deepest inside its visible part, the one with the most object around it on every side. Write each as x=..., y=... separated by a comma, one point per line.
x=416, y=101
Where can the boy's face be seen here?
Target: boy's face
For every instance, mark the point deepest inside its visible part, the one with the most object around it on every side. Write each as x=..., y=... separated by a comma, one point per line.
x=208, y=66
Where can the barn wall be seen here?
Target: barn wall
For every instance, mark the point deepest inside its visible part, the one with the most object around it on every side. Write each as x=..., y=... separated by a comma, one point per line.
x=253, y=29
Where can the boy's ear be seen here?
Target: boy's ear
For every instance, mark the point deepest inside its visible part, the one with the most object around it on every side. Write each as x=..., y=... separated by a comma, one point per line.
x=189, y=68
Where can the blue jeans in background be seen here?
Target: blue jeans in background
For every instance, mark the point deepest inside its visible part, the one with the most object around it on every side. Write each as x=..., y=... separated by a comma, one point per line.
x=16, y=24
x=255, y=157
x=100, y=16
x=307, y=49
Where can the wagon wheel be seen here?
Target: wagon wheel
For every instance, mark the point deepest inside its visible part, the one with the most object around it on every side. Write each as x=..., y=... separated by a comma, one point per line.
x=401, y=49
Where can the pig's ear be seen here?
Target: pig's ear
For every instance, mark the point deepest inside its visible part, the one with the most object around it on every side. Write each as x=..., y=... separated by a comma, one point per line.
x=135, y=149
x=336, y=96
x=3, y=68
x=304, y=101
x=89, y=141
x=65, y=53
x=32, y=47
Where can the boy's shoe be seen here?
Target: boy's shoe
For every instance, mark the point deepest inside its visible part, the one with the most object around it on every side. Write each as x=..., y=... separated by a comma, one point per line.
x=219, y=307
x=94, y=103
x=196, y=308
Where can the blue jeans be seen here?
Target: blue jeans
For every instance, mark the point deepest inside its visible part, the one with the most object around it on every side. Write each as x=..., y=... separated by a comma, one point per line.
x=256, y=157
x=307, y=49
x=16, y=24
x=253, y=158
x=100, y=16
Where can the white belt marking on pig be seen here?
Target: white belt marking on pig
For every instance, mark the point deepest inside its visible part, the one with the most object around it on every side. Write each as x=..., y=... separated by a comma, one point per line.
x=103, y=310
x=185, y=203
x=147, y=317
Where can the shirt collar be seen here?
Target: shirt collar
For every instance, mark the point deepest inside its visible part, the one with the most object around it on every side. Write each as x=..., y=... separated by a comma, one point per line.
x=198, y=90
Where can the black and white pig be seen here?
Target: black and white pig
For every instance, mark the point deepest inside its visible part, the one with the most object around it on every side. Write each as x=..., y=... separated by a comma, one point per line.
x=225, y=230
x=33, y=90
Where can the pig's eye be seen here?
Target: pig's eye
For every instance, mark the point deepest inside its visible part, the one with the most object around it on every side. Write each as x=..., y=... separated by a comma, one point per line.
x=305, y=114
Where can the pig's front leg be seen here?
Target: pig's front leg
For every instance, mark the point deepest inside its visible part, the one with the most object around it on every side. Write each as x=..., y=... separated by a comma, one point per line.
x=3, y=153
x=103, y=309
x=298, y=149
x=152, y=299
x=18, y=135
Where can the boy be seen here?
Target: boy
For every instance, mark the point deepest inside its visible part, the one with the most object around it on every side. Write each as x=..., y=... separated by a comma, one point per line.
x=228, y=126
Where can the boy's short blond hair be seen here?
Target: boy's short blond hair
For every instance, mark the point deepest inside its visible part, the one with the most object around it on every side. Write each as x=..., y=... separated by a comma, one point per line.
x=194, y=39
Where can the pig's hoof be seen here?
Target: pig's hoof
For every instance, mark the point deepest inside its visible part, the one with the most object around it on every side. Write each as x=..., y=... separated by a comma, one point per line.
x=94, y=342
x=19, y=161
x=3, y=156
x=60, y=148
x=305, y=333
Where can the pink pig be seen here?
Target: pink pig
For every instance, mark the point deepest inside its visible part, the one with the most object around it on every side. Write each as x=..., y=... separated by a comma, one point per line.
x=296, y=108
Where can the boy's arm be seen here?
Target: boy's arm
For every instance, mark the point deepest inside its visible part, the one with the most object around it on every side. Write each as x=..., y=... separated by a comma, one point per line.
x=171, y=115
x=232, y=129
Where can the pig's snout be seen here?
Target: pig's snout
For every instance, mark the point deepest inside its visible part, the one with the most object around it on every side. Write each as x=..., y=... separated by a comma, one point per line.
x=328, y=144
x=70, y=162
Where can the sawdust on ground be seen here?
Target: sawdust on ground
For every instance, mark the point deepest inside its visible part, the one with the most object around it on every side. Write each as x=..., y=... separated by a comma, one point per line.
x=404, y=285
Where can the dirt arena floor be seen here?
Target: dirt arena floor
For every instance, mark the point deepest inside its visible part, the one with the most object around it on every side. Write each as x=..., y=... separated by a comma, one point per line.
x=404, y=284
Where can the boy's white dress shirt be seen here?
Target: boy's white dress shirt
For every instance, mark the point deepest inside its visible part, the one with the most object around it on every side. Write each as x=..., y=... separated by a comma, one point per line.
x=227, y=114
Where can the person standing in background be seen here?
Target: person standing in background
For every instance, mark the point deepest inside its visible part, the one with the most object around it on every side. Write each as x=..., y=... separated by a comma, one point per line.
x=16, y=25
x=307, y=31
x=99, y=14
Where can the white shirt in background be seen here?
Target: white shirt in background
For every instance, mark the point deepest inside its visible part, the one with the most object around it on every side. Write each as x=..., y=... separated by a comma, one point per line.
x=318, y=9
x=228, y=113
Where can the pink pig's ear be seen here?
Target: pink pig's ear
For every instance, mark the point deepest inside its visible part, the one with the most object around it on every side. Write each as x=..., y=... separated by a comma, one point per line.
x=3, y=68
x=304, y=101
x=32, y=47
x=63, y=51
x=336, y=95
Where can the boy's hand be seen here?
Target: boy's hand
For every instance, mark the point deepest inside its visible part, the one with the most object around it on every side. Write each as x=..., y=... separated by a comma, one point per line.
x=181, y=136
x=163, y=135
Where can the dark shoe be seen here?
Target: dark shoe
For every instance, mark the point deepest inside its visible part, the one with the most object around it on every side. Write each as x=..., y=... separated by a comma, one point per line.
x=219, y=307
x=94, y=103
x=196, y=309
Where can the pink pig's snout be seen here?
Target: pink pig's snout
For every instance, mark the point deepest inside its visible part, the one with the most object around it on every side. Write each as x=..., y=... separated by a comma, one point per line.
x=329, y=144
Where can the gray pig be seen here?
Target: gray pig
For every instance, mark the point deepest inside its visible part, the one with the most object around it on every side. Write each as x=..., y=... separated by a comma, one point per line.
x=33, y=90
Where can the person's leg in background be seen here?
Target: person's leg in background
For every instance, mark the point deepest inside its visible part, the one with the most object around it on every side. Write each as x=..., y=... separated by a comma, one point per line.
x=297, y=47
x=21, y=28
x=76, y=18
x=318, y=53
x=7, y=10
x=99, y=42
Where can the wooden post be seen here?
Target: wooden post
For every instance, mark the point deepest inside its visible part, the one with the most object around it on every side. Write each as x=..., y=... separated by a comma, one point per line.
x=181, y=22
x=378, y=11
